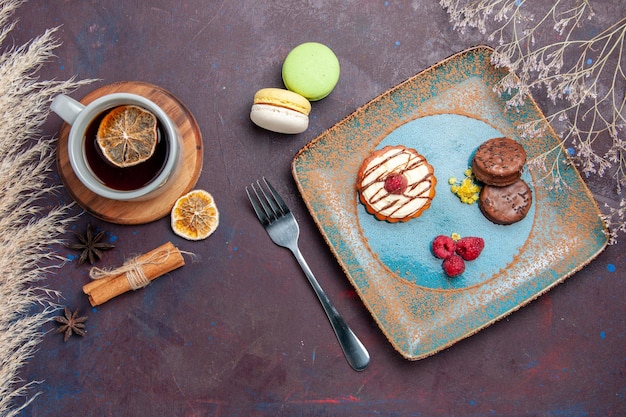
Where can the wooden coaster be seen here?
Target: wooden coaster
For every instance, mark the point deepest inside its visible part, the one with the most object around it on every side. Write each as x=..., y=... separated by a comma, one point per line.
x=138, y=212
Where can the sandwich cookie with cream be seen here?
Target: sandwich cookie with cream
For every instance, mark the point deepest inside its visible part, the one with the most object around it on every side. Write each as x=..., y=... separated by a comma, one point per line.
x=280, y=111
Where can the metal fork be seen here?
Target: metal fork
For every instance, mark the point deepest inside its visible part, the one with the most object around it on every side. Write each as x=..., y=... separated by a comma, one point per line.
x=283, y=229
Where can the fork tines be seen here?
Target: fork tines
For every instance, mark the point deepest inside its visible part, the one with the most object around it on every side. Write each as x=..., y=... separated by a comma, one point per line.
x=268, y=206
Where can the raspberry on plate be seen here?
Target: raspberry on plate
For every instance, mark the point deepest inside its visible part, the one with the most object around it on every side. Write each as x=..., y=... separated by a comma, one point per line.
x=469, y=248
x=443, y=246
x=453, y=265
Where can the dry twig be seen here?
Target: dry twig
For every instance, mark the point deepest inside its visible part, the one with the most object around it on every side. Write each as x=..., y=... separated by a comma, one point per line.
x=584, y=78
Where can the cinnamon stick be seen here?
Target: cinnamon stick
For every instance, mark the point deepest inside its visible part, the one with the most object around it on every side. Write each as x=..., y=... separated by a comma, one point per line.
x=134, y=274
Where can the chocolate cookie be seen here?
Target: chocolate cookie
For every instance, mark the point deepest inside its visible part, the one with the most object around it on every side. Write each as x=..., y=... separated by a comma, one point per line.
x=499, y=162
x=506, y=205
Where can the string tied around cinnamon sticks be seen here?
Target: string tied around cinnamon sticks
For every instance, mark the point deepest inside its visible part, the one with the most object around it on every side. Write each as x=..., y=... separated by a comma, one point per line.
x=134, y=274
x=133, y=268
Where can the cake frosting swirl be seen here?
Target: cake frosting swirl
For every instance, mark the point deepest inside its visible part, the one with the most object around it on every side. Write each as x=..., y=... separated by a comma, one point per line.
x=396, y=183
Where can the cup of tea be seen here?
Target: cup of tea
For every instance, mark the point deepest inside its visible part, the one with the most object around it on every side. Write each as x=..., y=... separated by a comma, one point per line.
x=140, y=181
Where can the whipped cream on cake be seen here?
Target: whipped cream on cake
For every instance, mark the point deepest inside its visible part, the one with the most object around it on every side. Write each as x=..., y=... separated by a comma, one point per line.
x=396, y=183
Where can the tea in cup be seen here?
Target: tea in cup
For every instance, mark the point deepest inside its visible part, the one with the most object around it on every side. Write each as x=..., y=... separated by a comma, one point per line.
x=108, y=145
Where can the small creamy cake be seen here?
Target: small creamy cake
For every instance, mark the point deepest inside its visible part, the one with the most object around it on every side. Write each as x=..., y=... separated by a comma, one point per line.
x=396, y=184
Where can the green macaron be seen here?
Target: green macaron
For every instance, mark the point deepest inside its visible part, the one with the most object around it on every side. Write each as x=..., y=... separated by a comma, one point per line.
x=311, y=70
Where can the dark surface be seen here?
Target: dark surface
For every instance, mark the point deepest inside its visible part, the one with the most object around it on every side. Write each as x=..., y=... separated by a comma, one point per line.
x=239, y=332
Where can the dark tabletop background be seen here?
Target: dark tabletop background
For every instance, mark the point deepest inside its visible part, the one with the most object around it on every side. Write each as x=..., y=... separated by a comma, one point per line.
x=239, y=332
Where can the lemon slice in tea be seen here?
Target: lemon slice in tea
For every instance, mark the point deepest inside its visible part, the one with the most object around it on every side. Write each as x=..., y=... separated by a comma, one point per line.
x=127, y=135
x=195, y=215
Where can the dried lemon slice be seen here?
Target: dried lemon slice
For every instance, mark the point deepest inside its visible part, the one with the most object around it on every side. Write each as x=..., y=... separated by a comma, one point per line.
x=127, y=135
x=195, y=215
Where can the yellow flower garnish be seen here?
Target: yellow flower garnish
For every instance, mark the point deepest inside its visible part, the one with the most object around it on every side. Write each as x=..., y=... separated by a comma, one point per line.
x=455, y=236
x=468, y=190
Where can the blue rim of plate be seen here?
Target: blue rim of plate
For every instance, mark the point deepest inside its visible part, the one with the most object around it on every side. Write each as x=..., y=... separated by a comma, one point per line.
x=405, y=294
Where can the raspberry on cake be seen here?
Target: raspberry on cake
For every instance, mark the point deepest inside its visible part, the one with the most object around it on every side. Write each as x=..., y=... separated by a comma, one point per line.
x=396, y=183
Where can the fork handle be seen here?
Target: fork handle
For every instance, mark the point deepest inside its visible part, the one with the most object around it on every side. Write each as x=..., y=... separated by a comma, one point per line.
x=354, y=351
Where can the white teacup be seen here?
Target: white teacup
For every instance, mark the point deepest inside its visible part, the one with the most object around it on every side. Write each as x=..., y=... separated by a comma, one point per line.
x=81, y=117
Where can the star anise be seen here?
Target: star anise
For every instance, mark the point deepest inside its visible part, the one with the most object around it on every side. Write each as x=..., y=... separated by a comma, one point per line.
x=71, y=323
x=90, y=245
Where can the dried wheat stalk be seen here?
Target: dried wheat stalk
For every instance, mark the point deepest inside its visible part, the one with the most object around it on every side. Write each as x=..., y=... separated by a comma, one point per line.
x=27, y=230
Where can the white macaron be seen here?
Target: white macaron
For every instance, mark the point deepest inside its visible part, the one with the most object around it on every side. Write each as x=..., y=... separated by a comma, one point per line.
x=280, y=111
